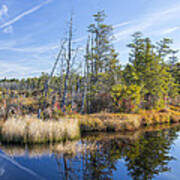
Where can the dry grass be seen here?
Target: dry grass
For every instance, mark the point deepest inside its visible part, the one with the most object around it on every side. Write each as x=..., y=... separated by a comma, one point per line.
x=170, y=115
x=32, y=130
x=13, y=131
x=153, y=117
x=29, y=129
x=88, y=124
x=73, y=148
x=126, y=122
x=109, y=122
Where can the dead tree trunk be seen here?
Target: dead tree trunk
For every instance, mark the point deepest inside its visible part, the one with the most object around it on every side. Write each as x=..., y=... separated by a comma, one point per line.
x=68, y=61
x=46, y=86
x=86, y=80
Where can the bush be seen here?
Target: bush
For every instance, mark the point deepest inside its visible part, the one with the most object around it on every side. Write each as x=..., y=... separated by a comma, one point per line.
x=126, y=98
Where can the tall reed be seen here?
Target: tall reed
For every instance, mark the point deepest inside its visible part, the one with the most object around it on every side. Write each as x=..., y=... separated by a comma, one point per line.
x=32, y=130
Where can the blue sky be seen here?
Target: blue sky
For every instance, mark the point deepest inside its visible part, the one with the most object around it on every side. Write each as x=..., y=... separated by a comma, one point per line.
x=31, y=30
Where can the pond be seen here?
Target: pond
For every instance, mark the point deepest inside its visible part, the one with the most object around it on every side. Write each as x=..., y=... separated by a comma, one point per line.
x=145, y=154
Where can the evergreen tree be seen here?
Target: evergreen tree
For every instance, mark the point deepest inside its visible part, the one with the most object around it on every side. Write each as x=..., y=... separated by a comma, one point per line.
x=102, y=59
x=149, y=70
x=103, y=51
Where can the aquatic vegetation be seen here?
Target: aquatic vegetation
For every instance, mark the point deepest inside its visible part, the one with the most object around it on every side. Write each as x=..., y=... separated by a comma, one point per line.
x=143, y=154
x=160, y=117
x=109, y=122
x=31, y=130
x=91, y=124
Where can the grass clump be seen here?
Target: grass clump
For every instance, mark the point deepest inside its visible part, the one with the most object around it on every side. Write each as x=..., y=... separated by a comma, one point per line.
x=32, y=130
x=88, y=124
x=155, y=117
x=13, y=131
x=29, y=129
x=110, y=122
x=169, y=115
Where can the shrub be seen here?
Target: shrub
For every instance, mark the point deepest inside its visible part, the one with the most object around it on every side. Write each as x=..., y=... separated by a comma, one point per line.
x=126, y=98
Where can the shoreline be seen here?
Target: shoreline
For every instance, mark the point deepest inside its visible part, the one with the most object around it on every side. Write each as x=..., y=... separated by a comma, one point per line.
x=30, y=130
x=38, y=150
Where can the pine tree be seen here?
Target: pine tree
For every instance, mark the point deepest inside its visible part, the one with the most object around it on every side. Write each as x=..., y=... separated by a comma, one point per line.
x=103, y=61
x=149, y=70
x=102, y=50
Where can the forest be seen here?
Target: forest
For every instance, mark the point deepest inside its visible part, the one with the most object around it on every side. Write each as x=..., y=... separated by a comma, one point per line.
x=96, y=81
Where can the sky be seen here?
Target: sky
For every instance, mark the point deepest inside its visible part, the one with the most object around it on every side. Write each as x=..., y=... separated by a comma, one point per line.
x=31, y=30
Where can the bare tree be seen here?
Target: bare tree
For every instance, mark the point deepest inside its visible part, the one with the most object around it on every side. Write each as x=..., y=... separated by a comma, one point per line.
x=86, y=79
x=46, y=86
x=68, y=61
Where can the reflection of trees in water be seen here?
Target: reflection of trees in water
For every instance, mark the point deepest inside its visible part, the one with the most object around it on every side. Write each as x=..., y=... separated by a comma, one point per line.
x=86, y=165
x=145, y=158
x=67, y=167
x=149, y=156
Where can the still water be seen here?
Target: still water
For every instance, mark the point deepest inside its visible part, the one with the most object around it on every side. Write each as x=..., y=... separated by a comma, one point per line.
x=146, y=154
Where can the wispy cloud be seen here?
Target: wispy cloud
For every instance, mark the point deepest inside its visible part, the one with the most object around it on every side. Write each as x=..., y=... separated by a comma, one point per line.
x=8, y=29
x=148, y=21
x=78, y=40
x=31, y=49
x=38, y=57
x=25, y=13
x=170, y=30
x=12, y=46
x=121, y=24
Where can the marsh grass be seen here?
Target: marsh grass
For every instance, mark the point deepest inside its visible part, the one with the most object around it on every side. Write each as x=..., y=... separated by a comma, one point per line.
x=127, y=122
x=88, y=143
x=31, y=130
x=170, y=115
x=110, y=122
x=153, y=117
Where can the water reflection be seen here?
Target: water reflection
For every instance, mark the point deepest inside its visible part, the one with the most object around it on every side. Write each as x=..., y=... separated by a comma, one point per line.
x=143, y=155
x=149, y=156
